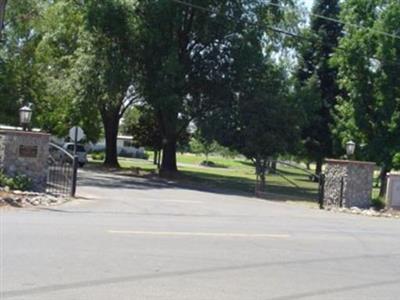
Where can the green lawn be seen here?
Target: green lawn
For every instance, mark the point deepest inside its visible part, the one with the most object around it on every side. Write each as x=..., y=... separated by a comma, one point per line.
x=233, y=175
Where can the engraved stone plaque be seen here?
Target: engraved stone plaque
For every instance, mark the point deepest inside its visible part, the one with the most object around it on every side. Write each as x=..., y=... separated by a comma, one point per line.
x=28, y=151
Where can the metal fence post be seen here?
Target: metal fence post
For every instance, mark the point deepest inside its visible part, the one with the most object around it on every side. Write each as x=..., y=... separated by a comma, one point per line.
x=321, y=190
x=74, y=175
x=341, y=192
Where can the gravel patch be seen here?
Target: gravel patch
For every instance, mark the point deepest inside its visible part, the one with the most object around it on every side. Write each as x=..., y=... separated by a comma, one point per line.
x=371, y=212
x=29, y=199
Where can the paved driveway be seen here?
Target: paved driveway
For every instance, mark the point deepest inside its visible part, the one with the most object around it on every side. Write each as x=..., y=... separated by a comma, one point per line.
x=135, y=239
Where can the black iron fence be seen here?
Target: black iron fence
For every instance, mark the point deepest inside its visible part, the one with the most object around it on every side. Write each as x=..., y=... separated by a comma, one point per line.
x=62, y=174
x=313, y=190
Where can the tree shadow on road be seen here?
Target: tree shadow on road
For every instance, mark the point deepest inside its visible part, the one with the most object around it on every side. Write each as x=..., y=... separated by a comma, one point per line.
x=194, y=180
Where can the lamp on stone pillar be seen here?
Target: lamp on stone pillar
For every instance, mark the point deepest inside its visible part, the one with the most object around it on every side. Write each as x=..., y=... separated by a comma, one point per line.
x=350, y=148
x=25, y=116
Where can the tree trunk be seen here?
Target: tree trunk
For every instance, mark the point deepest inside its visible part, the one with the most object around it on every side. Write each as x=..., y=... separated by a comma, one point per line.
x=168, y=164
x=382, y=178
x=261, y=166
x=318, y=168
x=273, y=166
x=262, y=181
x=111, y=123
x=308, y=166
x=2, y=14
x=155, y=158
x=159, y=158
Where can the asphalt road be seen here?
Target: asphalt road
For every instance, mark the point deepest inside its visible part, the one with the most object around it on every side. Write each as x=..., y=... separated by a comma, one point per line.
x=135, y=239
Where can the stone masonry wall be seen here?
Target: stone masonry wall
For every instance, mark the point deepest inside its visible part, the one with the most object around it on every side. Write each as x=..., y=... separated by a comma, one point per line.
x=25, y=153
x=2, y=137
x=333, y=176
x=356, y=189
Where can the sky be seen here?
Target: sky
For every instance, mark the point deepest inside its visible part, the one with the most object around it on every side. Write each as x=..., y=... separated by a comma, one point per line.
x=308, y=3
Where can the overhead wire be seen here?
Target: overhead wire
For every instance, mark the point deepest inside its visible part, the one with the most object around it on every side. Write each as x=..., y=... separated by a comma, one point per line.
x=388, y=34
x=297, y=36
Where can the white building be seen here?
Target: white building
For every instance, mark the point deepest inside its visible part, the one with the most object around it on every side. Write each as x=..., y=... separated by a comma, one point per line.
x=125, y=147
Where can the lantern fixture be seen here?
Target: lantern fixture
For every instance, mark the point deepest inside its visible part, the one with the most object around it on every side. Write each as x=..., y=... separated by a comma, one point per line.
x=25, y=116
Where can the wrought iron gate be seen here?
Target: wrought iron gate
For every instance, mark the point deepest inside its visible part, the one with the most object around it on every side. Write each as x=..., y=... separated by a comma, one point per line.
x=62, y=172
x=319, y=179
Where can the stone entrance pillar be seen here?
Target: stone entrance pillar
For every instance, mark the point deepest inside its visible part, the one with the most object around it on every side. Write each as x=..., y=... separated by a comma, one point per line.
x=25, y=153
x=348, y=183
x=393, y=190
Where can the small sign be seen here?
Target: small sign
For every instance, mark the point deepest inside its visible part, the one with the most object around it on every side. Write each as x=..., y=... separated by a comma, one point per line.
x=28, y=151
x=76, y=133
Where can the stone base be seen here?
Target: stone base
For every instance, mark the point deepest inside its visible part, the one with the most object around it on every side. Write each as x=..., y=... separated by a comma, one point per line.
x=393, y=190
x=25, y=153
x=348, y=183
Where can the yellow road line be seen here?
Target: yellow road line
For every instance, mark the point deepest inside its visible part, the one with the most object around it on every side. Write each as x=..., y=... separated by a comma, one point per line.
x=203, y=234
x=182, y=201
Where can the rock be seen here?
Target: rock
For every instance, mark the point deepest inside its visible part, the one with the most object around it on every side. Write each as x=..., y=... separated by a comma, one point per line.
x=21, y=199
x=11, y=201
x=355, y=210
x=54, y=201
x=368, y=213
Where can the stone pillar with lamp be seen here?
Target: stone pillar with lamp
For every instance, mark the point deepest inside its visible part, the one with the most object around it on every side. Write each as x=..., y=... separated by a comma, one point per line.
x=348, y=182
x=24, y=152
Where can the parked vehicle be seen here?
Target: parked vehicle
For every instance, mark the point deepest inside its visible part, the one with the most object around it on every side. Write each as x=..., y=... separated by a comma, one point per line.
x=80, y=152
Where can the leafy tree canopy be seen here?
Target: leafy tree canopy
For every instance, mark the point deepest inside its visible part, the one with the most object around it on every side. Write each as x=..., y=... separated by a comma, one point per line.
x=368, y=70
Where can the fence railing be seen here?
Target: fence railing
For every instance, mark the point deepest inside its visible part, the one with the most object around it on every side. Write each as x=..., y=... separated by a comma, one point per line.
x=62, y=172
x=318, y=189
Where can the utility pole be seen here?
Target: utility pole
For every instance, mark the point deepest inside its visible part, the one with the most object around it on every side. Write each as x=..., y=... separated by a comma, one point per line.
x=2, y=14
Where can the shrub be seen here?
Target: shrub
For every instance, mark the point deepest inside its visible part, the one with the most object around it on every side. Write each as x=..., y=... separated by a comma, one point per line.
x=396, y=161
x=208, y=163
x=4, y=180
x=21, y=182
x=98, y=155
x=18, y=182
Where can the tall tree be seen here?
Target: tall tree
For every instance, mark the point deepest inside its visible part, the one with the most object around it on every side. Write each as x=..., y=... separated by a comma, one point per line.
x=203, y=144
x=315, y=71
x=57, y=59
x=18, y=75
x=3, y=4
x=259, y=120
x=80, y=67
x=186, y=57
x=141, y=123
x=107, y=65
x=369, y=64
x=173, y=36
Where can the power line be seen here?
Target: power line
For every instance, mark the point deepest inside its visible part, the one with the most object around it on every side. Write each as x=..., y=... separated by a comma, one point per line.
x=343, y=23
x=388, y=34
x=382, y=61
x=294, y=35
